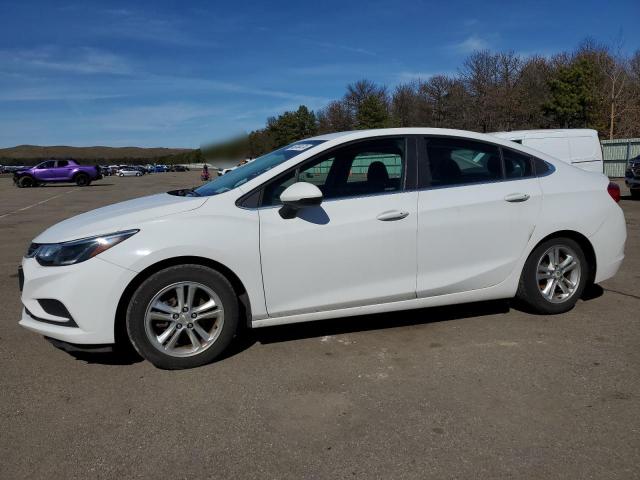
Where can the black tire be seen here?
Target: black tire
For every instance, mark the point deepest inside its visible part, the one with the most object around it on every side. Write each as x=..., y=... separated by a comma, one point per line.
x=82, y=180
x=142, y=297
x=26, y=182
x=635, y=193
x=529, y=288
x=138, y=174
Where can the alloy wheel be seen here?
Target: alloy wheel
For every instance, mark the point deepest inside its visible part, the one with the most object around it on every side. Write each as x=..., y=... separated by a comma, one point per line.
x=558, y=274
x=184, y=319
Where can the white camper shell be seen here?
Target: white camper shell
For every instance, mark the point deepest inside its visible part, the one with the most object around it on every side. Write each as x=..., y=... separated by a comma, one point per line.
x=579, y=147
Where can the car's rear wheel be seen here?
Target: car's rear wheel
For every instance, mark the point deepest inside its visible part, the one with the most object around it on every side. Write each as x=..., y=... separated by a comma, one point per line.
x=82, y=180
x=182, y=317
x=554, y=276
x=635, y=193
x=26, y=182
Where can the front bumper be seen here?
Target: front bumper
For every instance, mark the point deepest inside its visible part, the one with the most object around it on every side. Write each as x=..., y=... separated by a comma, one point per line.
x=90, y=291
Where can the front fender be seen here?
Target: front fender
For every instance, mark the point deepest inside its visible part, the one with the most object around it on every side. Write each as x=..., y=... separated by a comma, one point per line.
x=230, y=240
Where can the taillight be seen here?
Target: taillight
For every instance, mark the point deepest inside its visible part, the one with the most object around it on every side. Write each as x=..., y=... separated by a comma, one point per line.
x=614, y=191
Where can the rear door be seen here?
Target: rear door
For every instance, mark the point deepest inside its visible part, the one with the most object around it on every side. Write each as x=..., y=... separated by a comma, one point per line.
x=475, y=214
x=61, y=171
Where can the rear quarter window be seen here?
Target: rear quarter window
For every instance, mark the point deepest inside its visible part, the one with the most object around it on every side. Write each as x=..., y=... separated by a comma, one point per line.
x=541, y=167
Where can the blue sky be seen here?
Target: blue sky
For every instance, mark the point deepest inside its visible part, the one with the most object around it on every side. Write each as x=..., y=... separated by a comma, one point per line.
x=183, y=73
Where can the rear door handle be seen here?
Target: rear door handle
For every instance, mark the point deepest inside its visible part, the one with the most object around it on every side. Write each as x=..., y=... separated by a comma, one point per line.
x=392, y=215
x=517, y=197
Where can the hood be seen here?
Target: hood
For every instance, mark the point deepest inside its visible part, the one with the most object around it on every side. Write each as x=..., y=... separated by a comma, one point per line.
x=119, y=216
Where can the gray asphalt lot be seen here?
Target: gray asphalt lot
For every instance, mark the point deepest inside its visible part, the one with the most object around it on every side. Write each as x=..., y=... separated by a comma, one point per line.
x=473, y=391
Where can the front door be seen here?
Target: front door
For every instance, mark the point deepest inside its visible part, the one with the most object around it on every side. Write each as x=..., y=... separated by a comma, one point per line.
x=357, y=248
x=46, y=171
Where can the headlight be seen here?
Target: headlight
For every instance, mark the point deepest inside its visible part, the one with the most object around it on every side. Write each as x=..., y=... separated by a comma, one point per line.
x=75, y=251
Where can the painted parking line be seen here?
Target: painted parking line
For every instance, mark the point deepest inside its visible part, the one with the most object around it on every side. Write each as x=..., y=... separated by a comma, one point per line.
x=35, y=204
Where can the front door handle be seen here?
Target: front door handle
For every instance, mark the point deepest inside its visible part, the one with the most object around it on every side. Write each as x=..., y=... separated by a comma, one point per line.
x=392, y=215
x=517, y=197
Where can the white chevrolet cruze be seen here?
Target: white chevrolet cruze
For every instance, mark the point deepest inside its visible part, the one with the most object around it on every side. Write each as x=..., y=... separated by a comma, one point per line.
x=342, y=224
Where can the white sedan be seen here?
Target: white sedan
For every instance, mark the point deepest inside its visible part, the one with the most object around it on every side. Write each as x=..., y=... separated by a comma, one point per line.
x=338, y=225
x=129, y=172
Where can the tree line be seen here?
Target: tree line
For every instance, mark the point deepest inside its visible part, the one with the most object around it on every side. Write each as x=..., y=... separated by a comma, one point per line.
x=595, y=86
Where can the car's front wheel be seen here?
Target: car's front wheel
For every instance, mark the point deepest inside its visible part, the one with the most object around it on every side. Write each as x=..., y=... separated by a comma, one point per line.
x=183, y=316
x=26, y=182
x=554, y=276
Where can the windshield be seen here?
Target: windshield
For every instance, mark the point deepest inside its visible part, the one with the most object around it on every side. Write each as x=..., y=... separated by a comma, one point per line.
x=251, y=170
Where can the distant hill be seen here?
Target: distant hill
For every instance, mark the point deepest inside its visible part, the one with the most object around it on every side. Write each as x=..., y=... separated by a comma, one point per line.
x=31, y=153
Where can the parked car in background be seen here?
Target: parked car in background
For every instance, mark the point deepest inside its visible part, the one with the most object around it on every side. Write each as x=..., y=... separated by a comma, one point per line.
x=57, y=171
x=105, y=170
x=632, y=176
x=342, y=224
x=180, y=168
x=224, y=171
x=579, y=147
x=129, y=172
x=160, y=169
x=13, y=168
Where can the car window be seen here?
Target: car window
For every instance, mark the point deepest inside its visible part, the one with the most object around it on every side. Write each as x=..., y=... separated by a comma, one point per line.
x=362, y=163
x=365, y=168
x=455, y=161
x=541, y=167
x=273, y=190
x=63, y=163
x=516, y=165
x=48, y=164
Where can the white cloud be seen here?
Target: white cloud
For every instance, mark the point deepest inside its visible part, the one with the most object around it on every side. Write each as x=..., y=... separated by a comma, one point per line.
x=44, y=93
x=471, y=44
x=408, y=76
x=166, y=116
x=345, y=48
x=145, y=27
x=81, y=60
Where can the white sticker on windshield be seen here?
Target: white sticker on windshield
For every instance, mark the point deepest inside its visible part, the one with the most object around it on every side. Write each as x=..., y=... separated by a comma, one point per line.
x=300, y=146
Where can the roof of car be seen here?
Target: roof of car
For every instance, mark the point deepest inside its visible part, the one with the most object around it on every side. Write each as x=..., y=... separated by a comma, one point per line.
x=399, y=131
x=570, y=132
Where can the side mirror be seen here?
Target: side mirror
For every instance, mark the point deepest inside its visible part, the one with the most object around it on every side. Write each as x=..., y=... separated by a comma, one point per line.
x=297, y=196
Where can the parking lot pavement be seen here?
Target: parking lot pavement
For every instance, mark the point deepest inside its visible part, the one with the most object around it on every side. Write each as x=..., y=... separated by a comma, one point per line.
x=474, y=391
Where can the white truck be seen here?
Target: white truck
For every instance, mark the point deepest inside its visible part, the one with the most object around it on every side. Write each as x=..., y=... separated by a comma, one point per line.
x=579, y=147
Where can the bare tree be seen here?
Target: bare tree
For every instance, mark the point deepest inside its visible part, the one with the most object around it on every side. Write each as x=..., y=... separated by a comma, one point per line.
x=359, y=91
x=404, y=105
x=335, y=117
x=614, y=67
